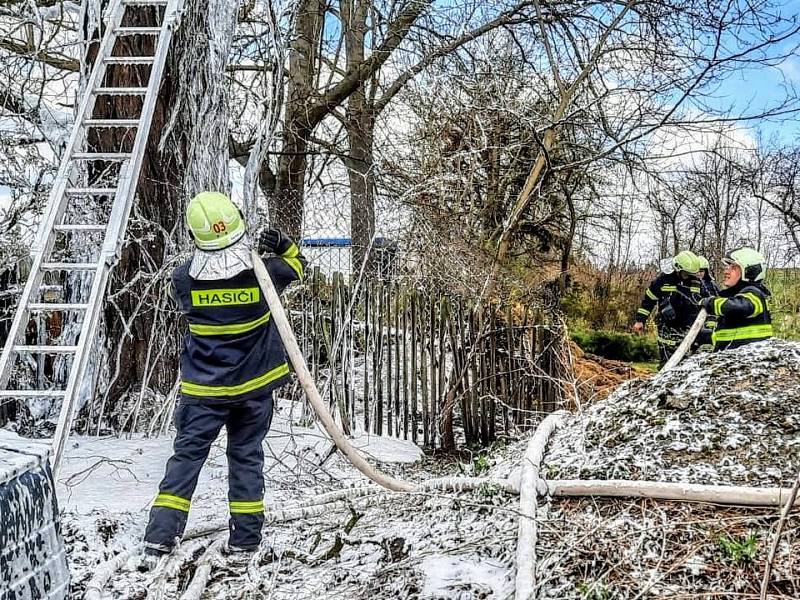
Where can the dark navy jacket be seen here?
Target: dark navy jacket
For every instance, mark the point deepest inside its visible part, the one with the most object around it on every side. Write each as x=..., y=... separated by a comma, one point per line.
x=670, y=290
x=232, y=351
x=743, y=315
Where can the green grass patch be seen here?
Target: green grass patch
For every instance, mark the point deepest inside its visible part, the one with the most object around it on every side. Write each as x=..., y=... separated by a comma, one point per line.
x=785, y=302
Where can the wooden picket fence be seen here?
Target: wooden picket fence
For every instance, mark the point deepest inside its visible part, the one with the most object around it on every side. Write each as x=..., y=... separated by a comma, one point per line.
x=422, y=366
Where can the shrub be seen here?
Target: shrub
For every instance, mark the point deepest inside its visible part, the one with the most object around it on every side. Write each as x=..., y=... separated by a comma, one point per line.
x=617, y=346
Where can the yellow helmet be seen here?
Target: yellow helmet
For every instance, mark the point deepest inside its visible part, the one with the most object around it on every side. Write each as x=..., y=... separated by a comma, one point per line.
x=214, y=220
x=686, y=261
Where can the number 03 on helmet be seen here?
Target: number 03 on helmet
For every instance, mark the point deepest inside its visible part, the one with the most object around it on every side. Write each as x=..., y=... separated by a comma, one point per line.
x=214, y=221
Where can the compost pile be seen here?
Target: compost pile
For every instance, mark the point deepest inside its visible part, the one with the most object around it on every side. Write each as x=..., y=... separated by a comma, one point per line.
x=728, y=418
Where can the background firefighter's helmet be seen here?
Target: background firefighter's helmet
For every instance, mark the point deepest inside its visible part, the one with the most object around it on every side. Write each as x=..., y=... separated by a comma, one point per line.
x=750, y=261
x=686, y=261
x=214, y=221
x=704, y=264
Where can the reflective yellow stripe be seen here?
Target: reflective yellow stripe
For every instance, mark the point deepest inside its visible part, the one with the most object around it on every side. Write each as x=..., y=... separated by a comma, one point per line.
x=667, y=342
x=669, y=288
x=718, y=302
x=758, y=305
x=197, y=389
x=290, y=256
x=650, y=294
x=226, y=297
x=643, y=311
x=247, y=508
x=694, y=289
x=231, y=329
x=750, y=332
x=711, y=324
x=174, y=502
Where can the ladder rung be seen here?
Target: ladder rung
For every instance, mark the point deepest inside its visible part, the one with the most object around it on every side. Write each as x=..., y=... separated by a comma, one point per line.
x=120, y=91
x=101, y=155
x=70, y=227
x=137, y=30
x=111, y=122
x=55, y=306
x=62, y=266
x=32, y=393
x=130, y=60
x=47, y=349
x=90, y=191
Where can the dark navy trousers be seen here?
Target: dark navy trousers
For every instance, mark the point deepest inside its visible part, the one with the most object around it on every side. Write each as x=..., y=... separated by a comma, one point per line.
x=198, y=425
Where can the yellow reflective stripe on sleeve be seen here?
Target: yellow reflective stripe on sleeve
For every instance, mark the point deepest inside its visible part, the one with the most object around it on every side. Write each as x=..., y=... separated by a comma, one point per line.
x=296, y=265
x=230, y=329
x=247, y=508
x=667, y=342
x=214, y=391
x=718, y=302
x=669, y=288
x=290, y=256
x=650, y=294
x=749, y=332
x=758, y=305
x=171, y=501
x=696, y=290
x=643, y=311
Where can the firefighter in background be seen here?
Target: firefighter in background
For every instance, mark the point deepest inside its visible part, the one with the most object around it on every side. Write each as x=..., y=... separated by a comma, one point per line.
x=232, y=359
x=676, y=294
x=710, y=287
x=742, y=307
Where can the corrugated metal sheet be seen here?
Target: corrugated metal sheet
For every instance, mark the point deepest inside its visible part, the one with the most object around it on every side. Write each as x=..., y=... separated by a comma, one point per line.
x=33, y=562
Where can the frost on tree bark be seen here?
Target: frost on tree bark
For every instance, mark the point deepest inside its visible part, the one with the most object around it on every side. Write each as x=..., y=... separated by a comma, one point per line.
x=360, y=125
x=286, y=203
x=187, y=152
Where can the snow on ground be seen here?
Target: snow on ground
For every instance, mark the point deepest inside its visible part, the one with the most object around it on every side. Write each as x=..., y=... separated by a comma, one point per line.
x=423, y=546
x=728, y=418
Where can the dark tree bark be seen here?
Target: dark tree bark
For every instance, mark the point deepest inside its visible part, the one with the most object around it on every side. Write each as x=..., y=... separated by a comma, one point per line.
x=186, y=153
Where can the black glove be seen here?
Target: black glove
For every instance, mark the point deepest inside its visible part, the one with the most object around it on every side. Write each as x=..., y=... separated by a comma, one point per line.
x=708, y=304
x=668, y=312
x=271, y=241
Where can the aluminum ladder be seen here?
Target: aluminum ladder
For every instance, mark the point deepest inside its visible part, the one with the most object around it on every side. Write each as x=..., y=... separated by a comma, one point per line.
x=122, y=189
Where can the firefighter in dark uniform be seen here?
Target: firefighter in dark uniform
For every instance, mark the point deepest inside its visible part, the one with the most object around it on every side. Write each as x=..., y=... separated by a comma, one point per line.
x=232, y=359
x=710, y=287
x=676, y=294
x=742, y=307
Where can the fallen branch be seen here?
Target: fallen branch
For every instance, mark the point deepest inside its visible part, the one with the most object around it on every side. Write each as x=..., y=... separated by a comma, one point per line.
x=104, y=571
x=203, y=571
x=529, y=478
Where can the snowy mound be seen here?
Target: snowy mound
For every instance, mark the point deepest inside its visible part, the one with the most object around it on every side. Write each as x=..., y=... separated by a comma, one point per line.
x=724, y=418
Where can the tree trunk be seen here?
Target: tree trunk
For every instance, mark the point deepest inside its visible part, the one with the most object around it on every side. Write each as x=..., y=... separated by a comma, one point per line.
x=360, y=125
x=286, y=204
x=186, y=153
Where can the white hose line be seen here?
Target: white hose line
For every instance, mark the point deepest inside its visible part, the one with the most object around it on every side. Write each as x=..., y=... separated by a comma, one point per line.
x=309, y=387
x=687, y=342
x=683, y=492
x=527, y=533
